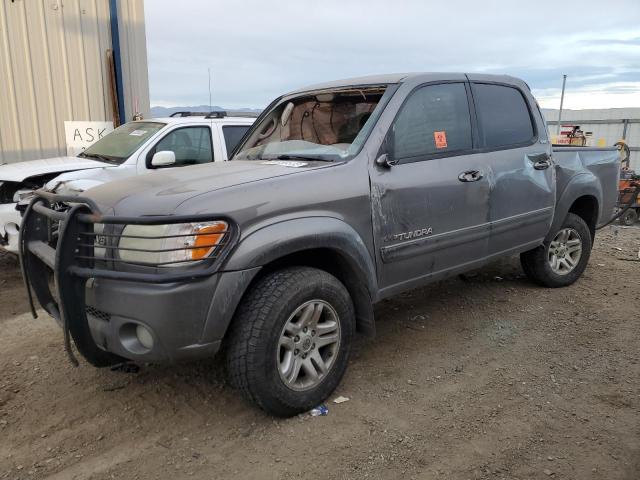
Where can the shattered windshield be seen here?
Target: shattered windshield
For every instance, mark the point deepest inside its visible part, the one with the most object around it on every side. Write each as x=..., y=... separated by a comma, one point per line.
x=118, y=145
x=327, y=125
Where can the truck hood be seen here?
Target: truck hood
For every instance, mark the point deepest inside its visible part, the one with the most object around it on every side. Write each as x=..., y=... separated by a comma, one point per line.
x=160, y=192
x=20, y=171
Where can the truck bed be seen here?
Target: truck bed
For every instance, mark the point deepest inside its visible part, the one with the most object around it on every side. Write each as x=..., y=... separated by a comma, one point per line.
x=582, y=164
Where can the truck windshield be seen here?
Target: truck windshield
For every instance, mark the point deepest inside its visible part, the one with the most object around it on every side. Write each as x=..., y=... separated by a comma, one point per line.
x=118, y=145
x=327, y=125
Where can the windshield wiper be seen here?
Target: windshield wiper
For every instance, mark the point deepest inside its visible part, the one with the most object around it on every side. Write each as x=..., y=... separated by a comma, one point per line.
x=97, y=156
x=302, y=157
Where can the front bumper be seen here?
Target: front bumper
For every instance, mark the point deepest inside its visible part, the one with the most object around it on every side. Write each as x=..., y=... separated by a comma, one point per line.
x=184, y=312
x=186, y=320
x=173, y=314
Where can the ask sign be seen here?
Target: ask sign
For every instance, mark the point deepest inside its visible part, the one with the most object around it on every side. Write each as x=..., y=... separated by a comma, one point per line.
x=80, y=135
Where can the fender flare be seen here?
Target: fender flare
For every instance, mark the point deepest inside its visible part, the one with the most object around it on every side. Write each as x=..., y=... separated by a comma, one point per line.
x=583, y=184
x=278, y=240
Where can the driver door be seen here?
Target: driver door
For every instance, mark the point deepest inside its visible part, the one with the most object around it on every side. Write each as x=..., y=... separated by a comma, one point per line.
x=191, y=145
x=430, y=208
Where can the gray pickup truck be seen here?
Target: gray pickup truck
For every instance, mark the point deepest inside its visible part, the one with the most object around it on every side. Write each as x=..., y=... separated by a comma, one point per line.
x=339, y=196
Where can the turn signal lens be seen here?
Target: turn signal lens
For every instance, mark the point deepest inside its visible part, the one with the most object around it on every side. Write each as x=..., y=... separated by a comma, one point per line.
x=207, y=238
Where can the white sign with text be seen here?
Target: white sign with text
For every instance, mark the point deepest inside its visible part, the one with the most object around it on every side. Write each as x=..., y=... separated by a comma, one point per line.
x=80, y=135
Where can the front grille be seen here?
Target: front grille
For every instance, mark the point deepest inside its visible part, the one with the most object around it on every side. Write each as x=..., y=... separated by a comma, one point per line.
x=71, y=235
x=99, y=314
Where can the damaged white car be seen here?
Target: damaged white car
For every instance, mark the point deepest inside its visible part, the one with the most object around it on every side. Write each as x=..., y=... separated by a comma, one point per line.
x=135, y=148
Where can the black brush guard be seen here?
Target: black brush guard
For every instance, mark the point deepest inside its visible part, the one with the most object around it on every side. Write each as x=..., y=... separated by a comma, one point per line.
x=72, y=259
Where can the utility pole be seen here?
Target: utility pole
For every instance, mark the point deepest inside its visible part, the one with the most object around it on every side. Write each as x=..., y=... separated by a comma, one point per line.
x=564, y=81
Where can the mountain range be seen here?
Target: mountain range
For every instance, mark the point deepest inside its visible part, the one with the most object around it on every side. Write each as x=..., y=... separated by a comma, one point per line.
x=166, y=111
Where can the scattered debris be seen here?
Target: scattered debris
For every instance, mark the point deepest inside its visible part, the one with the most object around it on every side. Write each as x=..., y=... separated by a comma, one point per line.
x=113, y=388
x=126, y=367
x=319, y=411
x=340, y=399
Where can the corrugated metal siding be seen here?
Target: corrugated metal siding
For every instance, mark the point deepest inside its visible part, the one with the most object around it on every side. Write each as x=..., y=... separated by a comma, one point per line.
x=134, y=57
x=53, y=68
x=611, y=132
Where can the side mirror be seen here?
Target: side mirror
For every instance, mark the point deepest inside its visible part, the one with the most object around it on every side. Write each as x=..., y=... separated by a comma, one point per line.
x=164, y=158
x=386, y=161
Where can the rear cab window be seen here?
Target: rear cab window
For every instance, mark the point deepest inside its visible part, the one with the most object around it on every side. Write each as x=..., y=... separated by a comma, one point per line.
x=504, y=118
x=433, y=121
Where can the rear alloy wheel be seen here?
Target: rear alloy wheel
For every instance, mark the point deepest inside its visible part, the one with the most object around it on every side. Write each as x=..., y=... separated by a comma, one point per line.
x=565, y=251
x=289, y=342
x=560, y=261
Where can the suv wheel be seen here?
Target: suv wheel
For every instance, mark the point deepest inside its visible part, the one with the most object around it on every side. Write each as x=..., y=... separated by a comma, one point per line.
x=289, y=342
x=561, y=261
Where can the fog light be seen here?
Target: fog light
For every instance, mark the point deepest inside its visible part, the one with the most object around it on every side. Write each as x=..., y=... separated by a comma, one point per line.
x=144, y=336
x=12, y=228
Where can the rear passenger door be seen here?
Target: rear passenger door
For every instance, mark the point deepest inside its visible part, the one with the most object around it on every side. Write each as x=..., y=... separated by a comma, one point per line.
x=430, y=206
x=519, y=166
x=232, y=134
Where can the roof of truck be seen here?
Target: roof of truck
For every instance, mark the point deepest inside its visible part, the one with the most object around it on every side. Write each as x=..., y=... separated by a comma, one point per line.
x=390, y=78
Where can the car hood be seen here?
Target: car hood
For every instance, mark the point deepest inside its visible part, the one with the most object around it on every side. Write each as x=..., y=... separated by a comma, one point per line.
x=20, y=171
x=161, y=192
x=81, y=180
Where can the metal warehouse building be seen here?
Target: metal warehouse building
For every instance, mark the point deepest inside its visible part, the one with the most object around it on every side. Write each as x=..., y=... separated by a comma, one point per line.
x=67, y=60
x=608, y=126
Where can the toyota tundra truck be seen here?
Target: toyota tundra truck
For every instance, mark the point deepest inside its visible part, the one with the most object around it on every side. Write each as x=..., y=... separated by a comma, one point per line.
x=339, y=196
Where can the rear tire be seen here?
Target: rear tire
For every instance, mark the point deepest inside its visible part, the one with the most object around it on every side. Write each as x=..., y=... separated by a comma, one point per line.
x=292, y=323
x=560, y=262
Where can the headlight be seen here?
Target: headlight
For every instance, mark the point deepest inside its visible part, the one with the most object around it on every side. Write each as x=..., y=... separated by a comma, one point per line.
x=23, y=195
x=170, y=245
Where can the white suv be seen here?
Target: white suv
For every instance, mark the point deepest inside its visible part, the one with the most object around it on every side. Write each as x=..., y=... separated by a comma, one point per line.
x=134, y=148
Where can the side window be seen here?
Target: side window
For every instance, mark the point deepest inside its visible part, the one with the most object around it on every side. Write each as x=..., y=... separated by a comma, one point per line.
x=191, y=145
x=434, y=119
x=503, y=115
x=233, y=134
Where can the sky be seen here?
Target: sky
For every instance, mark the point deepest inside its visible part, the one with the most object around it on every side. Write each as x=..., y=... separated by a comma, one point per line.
x=258, y=50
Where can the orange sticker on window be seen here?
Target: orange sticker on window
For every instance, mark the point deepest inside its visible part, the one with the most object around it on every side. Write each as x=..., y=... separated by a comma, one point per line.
x=441, y=139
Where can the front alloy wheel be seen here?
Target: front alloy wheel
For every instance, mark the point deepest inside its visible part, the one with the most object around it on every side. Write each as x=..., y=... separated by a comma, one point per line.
x=289, y=342
x=308, y=345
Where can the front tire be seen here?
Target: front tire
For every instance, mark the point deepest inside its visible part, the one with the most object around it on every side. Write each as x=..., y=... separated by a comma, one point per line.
x=560, y=262
x=289, y=343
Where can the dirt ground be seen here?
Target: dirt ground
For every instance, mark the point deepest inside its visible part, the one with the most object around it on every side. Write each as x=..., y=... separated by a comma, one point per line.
x=483, y=377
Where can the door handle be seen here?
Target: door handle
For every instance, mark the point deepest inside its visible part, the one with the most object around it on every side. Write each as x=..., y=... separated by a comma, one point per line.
x=541, y=161
x=470, y=176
